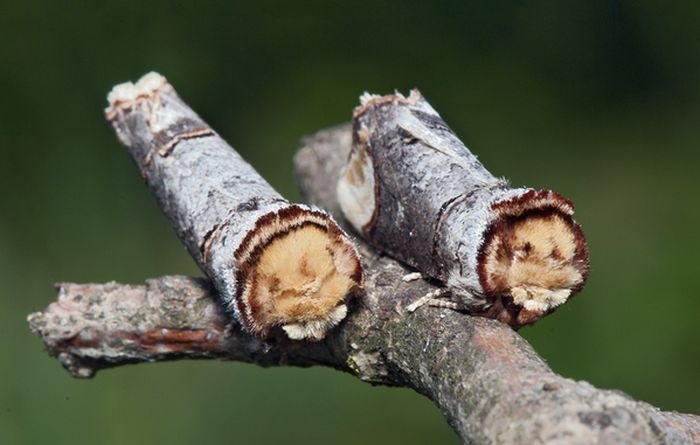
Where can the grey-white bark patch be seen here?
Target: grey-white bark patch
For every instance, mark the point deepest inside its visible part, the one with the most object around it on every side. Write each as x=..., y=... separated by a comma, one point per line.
x=368, y=366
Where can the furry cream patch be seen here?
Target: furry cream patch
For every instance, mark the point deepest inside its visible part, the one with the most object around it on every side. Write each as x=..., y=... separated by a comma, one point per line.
x=356, y=187
x=125, y=95
x=316, y=329
x=368, y=100
x=534, y=260
x=300, y=281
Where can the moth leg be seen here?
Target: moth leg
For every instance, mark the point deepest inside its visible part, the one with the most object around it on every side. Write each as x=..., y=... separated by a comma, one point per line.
x=447, y=304
x=437, y=298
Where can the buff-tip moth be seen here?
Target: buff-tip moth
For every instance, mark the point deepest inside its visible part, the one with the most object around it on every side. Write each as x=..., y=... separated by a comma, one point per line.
x=414, y=190
x=278, y=267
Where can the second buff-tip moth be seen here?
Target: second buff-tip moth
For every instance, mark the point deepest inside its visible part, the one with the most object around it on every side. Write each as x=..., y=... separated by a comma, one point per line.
x=415, y=191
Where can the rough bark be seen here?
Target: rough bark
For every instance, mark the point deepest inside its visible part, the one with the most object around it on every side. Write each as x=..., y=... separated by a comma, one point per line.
x=489, y=383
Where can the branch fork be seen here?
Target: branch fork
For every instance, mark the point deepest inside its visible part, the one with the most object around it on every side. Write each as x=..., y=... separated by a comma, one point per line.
x=489, y=383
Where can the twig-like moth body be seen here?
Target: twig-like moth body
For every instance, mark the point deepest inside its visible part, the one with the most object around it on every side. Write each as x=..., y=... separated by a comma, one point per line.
x=414, y=190
x=275, y=264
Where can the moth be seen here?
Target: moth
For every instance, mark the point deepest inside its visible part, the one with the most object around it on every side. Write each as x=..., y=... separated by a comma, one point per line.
x=414, y=190
x=277, y=266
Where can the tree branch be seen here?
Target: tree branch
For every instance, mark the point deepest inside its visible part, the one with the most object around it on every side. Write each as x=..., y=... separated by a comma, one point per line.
x=486, y=379
x=95, y=326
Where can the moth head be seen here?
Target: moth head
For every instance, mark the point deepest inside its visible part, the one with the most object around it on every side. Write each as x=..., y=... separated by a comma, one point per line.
x=534, y=257
x=297, y=272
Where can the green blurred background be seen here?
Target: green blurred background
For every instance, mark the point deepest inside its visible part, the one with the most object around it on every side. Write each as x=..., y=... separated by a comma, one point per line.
x=597, y=99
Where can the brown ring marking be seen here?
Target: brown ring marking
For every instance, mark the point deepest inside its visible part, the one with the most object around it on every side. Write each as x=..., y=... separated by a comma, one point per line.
x=247, y=255
x=502, y=306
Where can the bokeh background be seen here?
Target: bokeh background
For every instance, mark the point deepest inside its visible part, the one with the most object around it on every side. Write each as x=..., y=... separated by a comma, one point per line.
x=598, y=99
